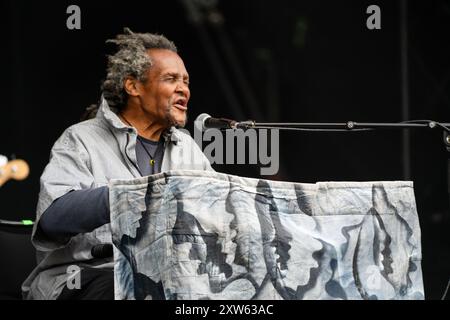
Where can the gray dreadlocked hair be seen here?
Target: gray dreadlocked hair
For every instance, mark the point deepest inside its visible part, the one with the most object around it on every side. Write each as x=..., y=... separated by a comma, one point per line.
x=131, y=59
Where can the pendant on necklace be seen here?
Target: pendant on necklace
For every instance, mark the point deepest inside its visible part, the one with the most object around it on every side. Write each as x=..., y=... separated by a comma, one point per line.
x=152, y=162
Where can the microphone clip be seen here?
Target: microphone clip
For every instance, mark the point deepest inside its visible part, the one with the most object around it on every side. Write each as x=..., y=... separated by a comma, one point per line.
x=249, y=124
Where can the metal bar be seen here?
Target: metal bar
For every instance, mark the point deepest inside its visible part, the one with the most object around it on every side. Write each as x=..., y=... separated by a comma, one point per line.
x=406, y=137
x=349, y=125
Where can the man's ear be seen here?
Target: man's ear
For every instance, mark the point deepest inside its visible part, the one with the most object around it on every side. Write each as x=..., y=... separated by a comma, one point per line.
x=130, y=85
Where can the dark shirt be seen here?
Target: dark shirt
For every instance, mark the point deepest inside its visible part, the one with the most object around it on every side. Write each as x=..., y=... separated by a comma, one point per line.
x=156, y=150
x=82, y=211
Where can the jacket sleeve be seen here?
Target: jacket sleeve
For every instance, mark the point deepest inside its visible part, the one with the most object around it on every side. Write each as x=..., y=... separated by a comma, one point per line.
x=68, y=170
x=76, y=212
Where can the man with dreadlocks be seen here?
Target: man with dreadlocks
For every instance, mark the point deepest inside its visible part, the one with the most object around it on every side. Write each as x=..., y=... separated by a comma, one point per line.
x=134, y=134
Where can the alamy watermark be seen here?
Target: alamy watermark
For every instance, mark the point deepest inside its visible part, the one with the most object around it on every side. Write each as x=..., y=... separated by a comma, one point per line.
x=74, y=279
x=73, y=21
x=235, y=146
x=374, y=20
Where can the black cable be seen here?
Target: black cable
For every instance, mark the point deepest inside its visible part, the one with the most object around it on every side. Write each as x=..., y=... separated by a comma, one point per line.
x=314, y=129
x=350, y=126
x=431, y=124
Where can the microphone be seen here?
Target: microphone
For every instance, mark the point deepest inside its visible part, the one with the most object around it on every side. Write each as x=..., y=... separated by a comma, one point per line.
x=205, y=121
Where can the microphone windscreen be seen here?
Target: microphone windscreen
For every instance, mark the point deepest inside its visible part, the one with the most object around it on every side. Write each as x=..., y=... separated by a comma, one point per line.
x=199, y=123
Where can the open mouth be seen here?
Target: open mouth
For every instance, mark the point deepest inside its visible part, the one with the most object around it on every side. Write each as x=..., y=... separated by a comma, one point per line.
x=181, y=103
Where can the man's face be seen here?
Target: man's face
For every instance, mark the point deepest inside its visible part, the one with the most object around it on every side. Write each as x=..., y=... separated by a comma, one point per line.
x=165, y=94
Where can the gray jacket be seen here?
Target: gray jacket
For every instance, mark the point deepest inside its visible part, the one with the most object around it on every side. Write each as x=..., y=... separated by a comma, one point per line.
x=88, y=155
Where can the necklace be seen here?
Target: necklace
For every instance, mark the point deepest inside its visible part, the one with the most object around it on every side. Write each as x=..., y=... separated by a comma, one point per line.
x=152, y=160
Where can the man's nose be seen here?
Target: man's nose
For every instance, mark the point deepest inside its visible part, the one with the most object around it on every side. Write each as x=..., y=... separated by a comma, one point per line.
x=183, y=88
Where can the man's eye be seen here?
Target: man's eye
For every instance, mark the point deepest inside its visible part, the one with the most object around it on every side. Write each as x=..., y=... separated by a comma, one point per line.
x=170, y=78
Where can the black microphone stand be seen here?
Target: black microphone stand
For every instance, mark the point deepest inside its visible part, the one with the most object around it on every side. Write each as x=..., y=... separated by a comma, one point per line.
x=342, y=126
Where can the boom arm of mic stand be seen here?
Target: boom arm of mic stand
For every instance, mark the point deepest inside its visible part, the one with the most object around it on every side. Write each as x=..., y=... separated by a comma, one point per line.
x=350, y=125
x=347, y=126
x=355, y=126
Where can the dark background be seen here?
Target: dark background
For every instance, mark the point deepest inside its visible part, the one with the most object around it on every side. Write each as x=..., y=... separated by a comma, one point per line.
x=303, y=61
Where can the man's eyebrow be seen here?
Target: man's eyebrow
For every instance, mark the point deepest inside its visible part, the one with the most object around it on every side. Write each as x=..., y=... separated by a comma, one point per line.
x=175, y=74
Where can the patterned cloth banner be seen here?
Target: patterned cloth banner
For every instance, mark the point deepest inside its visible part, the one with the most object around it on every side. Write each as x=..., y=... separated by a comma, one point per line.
x=206, y=235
